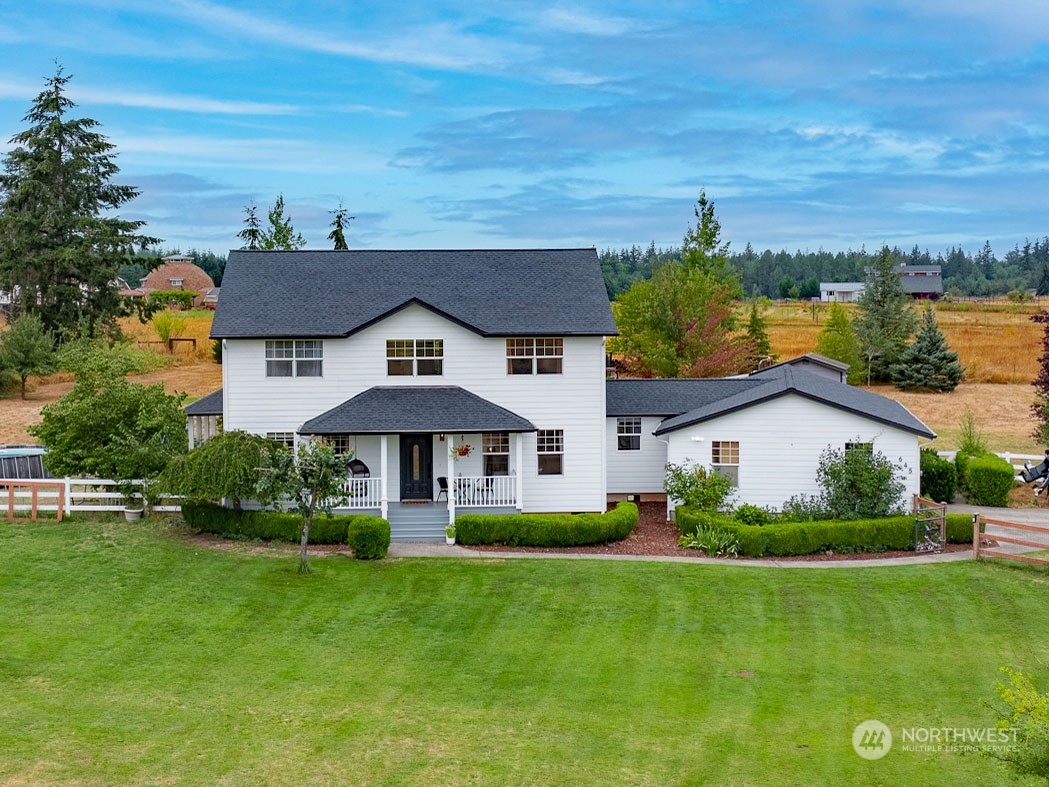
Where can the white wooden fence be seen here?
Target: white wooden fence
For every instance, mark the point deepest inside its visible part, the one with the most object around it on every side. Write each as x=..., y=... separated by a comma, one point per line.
x=74, y=494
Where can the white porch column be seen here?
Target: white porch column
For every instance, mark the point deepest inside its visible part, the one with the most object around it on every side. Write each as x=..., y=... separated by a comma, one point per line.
x=189, y=430
x=519, y=437
x=384, y=456
x=452, y=486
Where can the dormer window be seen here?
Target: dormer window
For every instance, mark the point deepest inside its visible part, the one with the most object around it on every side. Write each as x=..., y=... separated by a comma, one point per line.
x=176, y=282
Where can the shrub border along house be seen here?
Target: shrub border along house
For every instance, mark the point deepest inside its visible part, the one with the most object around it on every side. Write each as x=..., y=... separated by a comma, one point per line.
x=547, y=530
x=368, y=536
x=807, y=538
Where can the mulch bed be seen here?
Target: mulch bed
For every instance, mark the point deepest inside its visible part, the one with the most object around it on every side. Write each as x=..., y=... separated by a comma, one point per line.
x=654, y=535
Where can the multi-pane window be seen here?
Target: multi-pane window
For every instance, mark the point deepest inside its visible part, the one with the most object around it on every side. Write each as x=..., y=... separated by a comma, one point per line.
x=550, y=447
x=867, y=448
x=340, y=443
x=534, y=356
x=286, y=439
x=495, y=448
x=628, y=434
x=408, y=357
x=724, y=457
x=294, y=358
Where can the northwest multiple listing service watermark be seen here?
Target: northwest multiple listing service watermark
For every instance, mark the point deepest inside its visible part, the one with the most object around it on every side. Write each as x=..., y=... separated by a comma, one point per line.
x=872, y=739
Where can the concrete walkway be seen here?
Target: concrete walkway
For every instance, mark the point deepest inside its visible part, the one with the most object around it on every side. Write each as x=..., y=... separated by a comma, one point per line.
x=1033, y=516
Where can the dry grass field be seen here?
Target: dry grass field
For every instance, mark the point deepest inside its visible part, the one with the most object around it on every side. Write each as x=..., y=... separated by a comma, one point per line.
x=997, y=344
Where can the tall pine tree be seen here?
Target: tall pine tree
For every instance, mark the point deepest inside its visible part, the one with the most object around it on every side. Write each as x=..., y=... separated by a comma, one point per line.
x=60, y=243
x=885, y=321
x=838, y=340
x=928, y=364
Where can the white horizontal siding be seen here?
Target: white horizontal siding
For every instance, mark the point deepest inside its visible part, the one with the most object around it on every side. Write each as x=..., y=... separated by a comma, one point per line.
x=636, y=472
x=780, y=442
x=573, y=401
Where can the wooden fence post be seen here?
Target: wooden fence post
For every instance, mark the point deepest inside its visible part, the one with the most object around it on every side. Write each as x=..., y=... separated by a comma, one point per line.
x=976, y=536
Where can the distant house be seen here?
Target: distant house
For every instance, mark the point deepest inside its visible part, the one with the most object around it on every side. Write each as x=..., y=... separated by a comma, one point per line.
x=178, y=272
x=922, y=282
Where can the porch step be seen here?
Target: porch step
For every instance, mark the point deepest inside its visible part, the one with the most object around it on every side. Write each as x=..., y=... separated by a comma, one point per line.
x=417, y=521
x=422, y=532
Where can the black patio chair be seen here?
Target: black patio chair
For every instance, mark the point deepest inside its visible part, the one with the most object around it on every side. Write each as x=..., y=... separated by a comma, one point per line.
x=358, y=469
x=442, y=482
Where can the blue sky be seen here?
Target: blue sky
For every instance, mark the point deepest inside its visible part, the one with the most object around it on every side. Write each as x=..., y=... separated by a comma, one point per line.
x=826, y=124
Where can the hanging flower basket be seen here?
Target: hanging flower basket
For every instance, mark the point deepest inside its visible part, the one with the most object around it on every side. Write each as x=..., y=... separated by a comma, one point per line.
x=465, y=449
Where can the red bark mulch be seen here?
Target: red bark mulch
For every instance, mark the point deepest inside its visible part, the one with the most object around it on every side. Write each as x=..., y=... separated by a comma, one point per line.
x=654, y=535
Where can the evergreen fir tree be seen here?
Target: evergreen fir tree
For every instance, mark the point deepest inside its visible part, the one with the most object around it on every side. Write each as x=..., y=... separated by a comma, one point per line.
x=61, y=244
x=252, y=232
x=758, y=337
x=928, y=364
x=338, y=228
x=838, y=340
x=280, y=235
x=885, y=321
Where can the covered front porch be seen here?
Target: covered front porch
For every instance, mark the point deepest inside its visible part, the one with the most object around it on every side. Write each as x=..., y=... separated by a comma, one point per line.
x=423, y=454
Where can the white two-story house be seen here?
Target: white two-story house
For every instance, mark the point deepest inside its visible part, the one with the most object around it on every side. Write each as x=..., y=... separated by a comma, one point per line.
x=455, y=379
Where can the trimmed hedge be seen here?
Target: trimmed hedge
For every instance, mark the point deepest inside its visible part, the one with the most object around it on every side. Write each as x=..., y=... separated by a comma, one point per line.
x=988, y=479
x=806, y=538
x=268, y=525
x=368, y=537
x=547, y=530
x=939, y=477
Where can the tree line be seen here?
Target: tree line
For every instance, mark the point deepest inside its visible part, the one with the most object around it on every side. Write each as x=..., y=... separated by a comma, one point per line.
x=798, y=274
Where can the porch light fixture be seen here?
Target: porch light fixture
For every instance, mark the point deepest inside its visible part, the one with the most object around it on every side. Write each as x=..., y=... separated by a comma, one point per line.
x=441, y=437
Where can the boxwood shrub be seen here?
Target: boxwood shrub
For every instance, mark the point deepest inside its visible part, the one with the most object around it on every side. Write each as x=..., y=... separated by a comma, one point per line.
x=988, y=479
x=939, y=477
x=267, y=525
x=368, y=537
x=547, y=530
x=806, y=538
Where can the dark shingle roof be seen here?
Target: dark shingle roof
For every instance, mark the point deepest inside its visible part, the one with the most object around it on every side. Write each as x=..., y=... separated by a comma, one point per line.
x=439, y=408
x=784, y=380
x=668, y=397
x=206, y=405
x=336, y=293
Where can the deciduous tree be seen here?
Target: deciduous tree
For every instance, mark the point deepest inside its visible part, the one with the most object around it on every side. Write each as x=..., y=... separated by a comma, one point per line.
x=681, y=322
x=1040, y=408
x=312, y=480
x=61, y=244
x=229, y=465
x=26, y=348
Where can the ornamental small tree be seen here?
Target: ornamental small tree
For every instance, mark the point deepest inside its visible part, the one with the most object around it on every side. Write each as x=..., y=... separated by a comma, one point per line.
x=928, y=364
x=697, y=487
x=229, y=465
x=312, y=480
x=27, y=348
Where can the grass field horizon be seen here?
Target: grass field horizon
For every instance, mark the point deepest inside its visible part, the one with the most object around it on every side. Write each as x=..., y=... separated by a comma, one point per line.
x=132, y=655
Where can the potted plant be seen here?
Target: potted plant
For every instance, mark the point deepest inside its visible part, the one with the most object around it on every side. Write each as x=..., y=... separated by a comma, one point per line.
x=461, y=450
x=449, y=534
x=134, y=502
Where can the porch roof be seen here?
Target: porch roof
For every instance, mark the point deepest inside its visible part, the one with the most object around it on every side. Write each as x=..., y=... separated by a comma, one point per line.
x=206, y=405
x=437, y=408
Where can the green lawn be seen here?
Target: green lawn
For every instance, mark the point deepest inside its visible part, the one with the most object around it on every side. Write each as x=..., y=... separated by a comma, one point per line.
x=128, y=656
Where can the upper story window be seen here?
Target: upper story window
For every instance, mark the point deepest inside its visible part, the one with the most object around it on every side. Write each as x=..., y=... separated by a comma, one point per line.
x=176, y=282
x=294, y=358
x=419, y=357
x=287, y=439
x=628, y=434
x=534, y=356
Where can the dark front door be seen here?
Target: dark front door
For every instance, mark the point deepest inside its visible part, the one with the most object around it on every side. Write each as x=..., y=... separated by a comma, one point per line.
x=416, y=467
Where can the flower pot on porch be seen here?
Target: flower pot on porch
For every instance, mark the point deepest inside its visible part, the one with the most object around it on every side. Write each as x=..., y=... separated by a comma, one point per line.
x=449, y=540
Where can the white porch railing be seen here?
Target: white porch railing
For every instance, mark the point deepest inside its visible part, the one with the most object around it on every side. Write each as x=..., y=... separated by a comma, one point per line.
x=475, y=491
x=363, y=493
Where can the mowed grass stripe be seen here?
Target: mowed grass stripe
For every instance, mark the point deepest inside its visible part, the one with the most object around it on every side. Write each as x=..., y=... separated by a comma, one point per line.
x=129, y=655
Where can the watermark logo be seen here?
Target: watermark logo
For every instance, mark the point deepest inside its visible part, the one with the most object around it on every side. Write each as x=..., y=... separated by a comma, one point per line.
x=871, y=739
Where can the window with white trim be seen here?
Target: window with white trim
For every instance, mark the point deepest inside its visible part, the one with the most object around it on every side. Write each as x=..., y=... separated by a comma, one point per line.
x=535, y=356
x=294, y=358
x=724, y=458
x=287, y=439
x=340, y=443
x=414, y=357
x=550, y=449
x=867, y=448
x=628, y=433
x=495, y=448
x=176, y=282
